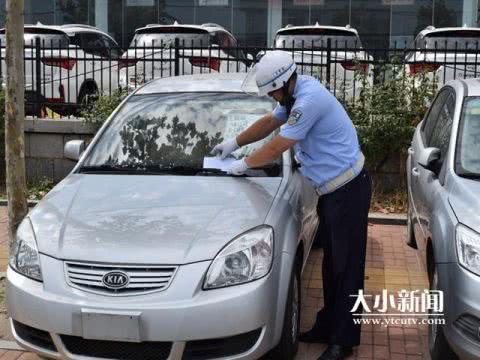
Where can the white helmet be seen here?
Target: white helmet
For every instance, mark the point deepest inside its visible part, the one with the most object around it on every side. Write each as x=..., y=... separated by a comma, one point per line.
x=273, y=71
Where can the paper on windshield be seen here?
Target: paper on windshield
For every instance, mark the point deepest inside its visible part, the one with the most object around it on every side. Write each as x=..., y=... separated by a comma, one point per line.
x=217, y=163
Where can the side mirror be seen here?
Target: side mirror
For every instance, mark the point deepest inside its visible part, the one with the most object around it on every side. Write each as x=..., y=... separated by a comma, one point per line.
x=73, y=149
x=428, y=158
x=250, y=57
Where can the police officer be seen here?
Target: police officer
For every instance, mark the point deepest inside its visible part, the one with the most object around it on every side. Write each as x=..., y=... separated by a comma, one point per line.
x=326, y=145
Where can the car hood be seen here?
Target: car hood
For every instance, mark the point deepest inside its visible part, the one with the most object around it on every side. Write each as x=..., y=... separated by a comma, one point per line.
x=465, y=202
x=146, y=219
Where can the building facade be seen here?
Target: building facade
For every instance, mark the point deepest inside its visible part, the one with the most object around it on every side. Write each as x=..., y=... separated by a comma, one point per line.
x=380, y=23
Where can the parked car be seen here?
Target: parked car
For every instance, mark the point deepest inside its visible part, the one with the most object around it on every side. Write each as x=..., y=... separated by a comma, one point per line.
x=444, y=213
x=201, y=49
x=76, y=63
x=141, y=253
x=445, y=54
x=349, y=65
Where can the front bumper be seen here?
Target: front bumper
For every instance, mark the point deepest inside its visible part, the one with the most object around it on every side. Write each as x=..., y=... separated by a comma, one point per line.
x=461, y=289
x=180, y=315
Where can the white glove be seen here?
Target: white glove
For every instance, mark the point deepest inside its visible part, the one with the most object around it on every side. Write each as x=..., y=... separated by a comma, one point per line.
x=225, y=148
x=238, y=167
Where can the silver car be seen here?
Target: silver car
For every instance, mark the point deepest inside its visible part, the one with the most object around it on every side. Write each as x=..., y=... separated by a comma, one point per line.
x=141, y=253
x=444, y=213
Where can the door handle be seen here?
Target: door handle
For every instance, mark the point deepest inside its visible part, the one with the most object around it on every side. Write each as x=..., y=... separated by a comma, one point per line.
x=411, y=151
x=415, y=172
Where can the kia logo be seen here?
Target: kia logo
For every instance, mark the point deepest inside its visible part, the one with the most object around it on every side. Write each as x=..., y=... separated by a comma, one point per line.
x=115, y=279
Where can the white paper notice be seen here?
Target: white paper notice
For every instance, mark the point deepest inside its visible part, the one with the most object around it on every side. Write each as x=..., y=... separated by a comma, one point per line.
x=217, y=163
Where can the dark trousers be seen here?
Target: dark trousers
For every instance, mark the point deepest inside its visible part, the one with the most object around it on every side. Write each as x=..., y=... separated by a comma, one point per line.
x=343, y=216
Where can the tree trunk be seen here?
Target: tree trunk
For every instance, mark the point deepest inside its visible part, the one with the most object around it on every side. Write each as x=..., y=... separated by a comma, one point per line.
x=14, y=118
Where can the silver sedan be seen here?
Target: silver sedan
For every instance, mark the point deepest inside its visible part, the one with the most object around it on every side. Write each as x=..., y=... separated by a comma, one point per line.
x=142, y=252
x=444, y=214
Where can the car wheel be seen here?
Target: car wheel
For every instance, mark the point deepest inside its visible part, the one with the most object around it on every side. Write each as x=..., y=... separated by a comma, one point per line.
x=88, y=95
x=411, y=241
x=288, y=346
x=437, y=343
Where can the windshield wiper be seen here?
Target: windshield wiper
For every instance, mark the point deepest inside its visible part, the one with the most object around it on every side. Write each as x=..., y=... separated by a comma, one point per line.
x=185, y=170
x=106, y=168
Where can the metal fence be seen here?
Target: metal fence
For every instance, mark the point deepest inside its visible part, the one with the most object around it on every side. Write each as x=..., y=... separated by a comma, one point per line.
x=67, y=78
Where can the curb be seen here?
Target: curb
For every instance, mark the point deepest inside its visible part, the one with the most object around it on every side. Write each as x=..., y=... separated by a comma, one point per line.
x=387, y=219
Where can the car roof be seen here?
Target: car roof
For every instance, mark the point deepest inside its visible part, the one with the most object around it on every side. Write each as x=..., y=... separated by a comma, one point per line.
x=69, y=29
x=470, y=87
x=215, y=82
x=316, y=26
x=207, y=26
x=431, y=30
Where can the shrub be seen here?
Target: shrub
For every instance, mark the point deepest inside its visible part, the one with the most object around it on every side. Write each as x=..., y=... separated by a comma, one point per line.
x=98, y=112
x=386, y=113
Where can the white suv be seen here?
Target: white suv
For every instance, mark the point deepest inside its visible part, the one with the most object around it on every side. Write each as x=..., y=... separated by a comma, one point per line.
x=445, y=54
x=75, y=63
x=346, y=60
x=201, y=49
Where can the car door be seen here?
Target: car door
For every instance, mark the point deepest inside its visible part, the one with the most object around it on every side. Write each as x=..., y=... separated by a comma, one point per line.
x=422, y=135
x=307, y=204
x=430, y=183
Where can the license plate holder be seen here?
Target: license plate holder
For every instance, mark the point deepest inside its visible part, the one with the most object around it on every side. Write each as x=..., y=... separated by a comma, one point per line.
x=111, y=325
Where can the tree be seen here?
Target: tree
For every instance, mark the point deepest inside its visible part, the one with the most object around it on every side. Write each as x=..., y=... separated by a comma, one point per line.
x=14, y=117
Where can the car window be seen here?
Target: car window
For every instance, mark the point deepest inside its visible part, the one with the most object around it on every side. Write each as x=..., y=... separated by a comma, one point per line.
x=93, y=44
x=177, y=129
x=452, y=39
x=316, y=37
x=165, y=37
x=114, y=50
x=432, y=117
x=441, y=133
x=47, y=38
x=467, y=156
x=228, y=43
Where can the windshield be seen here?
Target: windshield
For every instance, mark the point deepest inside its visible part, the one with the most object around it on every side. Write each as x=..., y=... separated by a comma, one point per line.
x=468, y=147
x=168, y=39
x=308, y=38
x=450, y=40
x=177, y=130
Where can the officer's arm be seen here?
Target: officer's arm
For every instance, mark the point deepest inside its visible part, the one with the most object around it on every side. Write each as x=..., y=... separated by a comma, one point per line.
x=269, y=152
x=259, y=130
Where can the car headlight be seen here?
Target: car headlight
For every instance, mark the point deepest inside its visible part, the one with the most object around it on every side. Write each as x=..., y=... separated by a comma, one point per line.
x=24, y=257
x=246, y=258
x=468, y=248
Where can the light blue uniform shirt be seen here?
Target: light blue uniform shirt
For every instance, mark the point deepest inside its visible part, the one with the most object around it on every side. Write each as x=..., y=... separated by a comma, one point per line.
x=327, y=142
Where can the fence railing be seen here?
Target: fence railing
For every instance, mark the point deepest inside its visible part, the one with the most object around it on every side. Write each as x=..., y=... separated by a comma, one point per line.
x=66, y=78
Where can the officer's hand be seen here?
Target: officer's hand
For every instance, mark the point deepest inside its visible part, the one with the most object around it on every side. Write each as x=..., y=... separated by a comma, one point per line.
x=226, y=148
x=238, y=167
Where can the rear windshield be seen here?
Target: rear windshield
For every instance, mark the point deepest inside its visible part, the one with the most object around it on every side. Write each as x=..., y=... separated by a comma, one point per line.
x=47, y=38
x=460, y=39
x=310, y=38
x=165, y=37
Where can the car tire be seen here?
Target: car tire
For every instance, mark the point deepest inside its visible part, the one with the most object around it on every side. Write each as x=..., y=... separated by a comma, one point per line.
x=437, y=343
x=288, y=346
x=88, y=95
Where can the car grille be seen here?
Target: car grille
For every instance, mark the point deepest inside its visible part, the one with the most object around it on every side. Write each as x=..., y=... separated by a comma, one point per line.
x=117, y=349
x=142, y=279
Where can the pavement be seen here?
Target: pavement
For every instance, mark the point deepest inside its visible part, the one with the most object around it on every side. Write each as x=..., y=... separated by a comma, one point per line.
x=390, y=265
